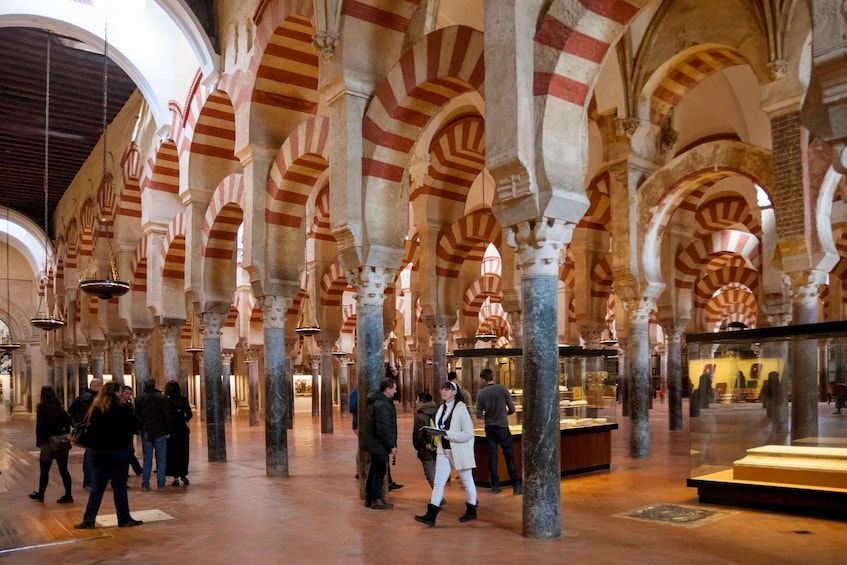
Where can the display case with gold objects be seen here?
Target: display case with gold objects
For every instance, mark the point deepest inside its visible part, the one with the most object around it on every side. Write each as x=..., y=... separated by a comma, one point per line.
x=768, y=426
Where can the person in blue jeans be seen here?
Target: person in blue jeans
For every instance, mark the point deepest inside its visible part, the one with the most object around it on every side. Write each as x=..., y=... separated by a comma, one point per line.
x=153, y=408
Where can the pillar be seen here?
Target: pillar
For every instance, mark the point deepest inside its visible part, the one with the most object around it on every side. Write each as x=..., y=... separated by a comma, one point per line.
x=82, y=382
x=314, y=369
x=804, y=375
x=325, y=342
x=140, y=339
x=638, y=316
x=201, y=371
x=170, y=353
x=344, y=382
x=439, y=329
x=51, y=373
x=186, y=368
x=277, y=389
x=253, y=384
x=72, y=371
x=226, y=373
x=117, y=346
x=215, y=424
x=674, y=333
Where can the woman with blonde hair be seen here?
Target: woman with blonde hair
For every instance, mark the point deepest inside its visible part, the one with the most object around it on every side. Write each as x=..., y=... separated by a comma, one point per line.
x=111, y=426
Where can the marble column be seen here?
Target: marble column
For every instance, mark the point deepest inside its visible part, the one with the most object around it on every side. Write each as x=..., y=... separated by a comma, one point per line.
x=186, y=368
x=140, y=339
x=638, y=318
x=98, y=348
x=277, y=387
x=201, y=371
x=343, y=379
x=369, y=298
x=215, y=424
x=325, y=343
x=28, y=383
x=59, y=375
x=82, y=382
x=539, y=246
x=804, y=376
x=51, y=372
x=72, y=371
x=170, y=354
x=253, y=383
x=289, y=362
x=226, y=373
x=674, y=360
x=439, y=328
x=117, y=346
x=315, y=369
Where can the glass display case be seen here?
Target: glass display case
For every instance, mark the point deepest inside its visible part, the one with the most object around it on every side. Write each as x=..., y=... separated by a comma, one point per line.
x=587, y=395
x=764, y=429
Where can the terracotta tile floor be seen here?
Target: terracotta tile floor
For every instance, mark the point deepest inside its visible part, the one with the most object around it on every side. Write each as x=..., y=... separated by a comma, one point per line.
x=233, y=513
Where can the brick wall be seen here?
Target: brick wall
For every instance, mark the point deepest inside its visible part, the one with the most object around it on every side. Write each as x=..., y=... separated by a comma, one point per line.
x=788, y=176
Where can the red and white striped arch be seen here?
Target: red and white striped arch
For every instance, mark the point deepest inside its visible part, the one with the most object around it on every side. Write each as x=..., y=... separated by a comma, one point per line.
x=601, y=278
x=413, y=252
x=299, y=163
x=348, y=319
x=684, y=72
x=87, y=218
x=129, y=205
x=71, y=244
x=487, y=287
x=725, y=212
x=457, y=156
x=106, y=199
x=138, y=274
x=447, y=63
x=599, y=213
x=734, y=305
x=467, y=239
x=690, y=262
x=222, y=218
x=719, y=279
x=162, y=171
x=333, y=285
x=209, y=129
x=173, y=249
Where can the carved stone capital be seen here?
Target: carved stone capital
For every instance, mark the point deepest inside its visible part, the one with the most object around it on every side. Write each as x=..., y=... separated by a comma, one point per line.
x=226, y=358
x=140, y=339
x=777, y=69
x=170, y=335
x=370, y=284
x=273, y=310
x=212, y=324
x=627, y=126
x=539, y=244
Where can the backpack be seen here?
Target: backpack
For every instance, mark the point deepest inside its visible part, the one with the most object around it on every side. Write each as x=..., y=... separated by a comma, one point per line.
x=431, y=441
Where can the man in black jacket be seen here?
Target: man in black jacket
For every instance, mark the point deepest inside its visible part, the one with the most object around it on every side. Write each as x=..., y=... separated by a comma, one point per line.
x=378, y=436
x=153, y=409
x=78, y=411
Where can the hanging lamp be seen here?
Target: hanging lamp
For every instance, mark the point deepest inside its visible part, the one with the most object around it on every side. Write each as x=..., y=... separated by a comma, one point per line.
x=110, y=286
x=8, y=345
x=305, y=326
x=43, y=319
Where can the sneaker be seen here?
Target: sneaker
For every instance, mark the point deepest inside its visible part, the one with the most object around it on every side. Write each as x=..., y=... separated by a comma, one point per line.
x=395, y=486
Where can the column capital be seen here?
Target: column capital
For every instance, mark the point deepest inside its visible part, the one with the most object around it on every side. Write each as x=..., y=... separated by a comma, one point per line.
x=212, y=324
x=226, y=358
x=170, y=335
x=638, y=309
x=117, y=345
x=370, y=284
x=273, y=310
x=140, y=339
x=539, y=244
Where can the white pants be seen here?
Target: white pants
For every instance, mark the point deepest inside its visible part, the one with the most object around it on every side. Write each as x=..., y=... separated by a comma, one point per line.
x=443, y=466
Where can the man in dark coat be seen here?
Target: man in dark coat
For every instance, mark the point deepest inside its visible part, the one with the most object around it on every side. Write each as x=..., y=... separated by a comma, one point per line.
x=154, y=411
x=424, y=443
x=378, y=436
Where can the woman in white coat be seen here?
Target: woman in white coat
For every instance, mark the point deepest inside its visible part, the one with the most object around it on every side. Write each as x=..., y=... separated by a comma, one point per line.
x=455, y=451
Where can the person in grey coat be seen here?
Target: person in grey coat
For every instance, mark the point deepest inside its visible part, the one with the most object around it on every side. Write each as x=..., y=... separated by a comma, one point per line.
x=378, y=436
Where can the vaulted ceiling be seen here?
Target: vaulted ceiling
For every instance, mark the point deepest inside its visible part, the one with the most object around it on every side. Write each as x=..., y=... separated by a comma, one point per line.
x=76, y=114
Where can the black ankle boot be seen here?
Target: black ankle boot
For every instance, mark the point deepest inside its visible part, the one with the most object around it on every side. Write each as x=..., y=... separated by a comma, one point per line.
x=429, y=518
x=470, y=512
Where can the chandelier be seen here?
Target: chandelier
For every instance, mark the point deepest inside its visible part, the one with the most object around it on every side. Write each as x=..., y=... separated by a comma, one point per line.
x=44, y=319
x=109, y=286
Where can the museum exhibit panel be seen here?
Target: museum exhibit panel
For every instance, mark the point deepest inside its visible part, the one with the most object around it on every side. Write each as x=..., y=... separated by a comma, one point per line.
x=587, y=406
x=762, y=434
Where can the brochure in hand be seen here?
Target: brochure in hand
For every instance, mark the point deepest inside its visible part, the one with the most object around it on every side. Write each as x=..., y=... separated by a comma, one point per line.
x=434, y=431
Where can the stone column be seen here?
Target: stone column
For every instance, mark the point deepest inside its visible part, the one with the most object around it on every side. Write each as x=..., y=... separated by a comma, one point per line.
x=369, y=297
x=325, y=342
x=215, y=425
x=73, y=372
x=539, y=245
x=343, y=378
x=201, y=370
x=186, y=368
x=140, y=339
x=117, y=345
x=804, y=376
x=226, y=373
x=253, y=383
x=315, y=369
x=439, y=328
x=277, y=386
x=674, y=359
x=638, y=320
x=170, y=353
x=51, y=372
x=59, y=375
x=28, y=382
x=82, y=382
